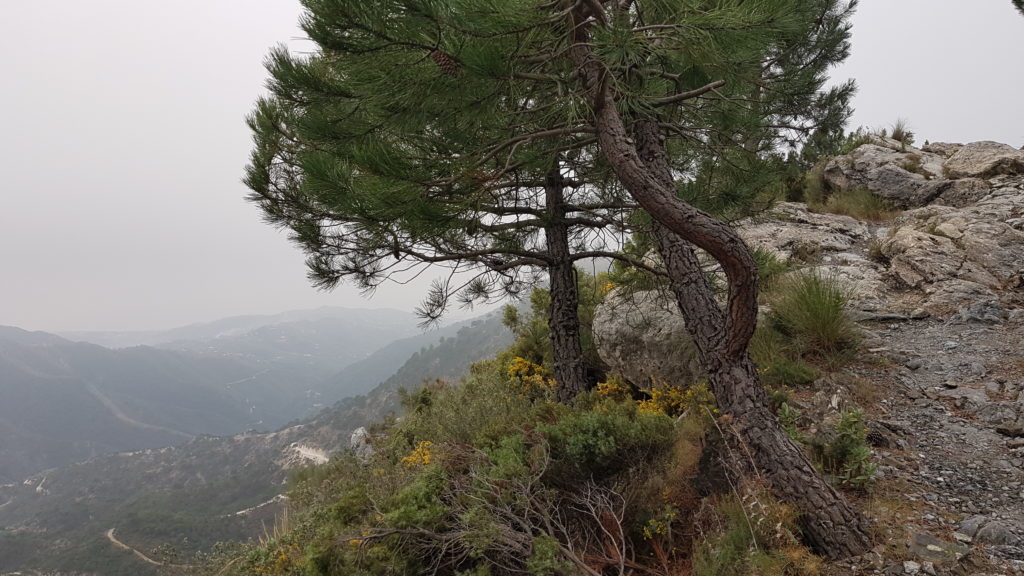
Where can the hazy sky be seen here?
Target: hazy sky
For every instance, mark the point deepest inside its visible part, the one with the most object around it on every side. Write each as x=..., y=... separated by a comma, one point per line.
x=123, y=142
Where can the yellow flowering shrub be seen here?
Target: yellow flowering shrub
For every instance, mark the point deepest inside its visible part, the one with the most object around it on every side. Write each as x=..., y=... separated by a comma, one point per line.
x=531, y=380
x=674, y=400
x=614, y=389
x=420, y=456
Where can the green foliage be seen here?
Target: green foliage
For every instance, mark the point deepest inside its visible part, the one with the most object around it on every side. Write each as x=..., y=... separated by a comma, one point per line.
x=846, y=453
x=546, y=559
x=533, y=341
x=789, y=418
x=780, y=359
x=752, y=535
x=855, y=139
x=769, y=267
x=811, y=309
x=605, y=442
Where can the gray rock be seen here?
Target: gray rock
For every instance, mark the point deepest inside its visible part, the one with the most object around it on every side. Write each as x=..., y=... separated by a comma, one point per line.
x=985, y=530
x=961, y=256
x=958, y=193
x=984, y=160
x=359, y=442
x=983, y=312
x=790, y=225
x=944, y=149
x=926, y=547
x=894, y=172
x=643, y=337
x=1011, y=429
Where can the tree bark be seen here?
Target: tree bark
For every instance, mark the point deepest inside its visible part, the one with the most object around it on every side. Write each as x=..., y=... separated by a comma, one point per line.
x=563, y=312
x=829, y=524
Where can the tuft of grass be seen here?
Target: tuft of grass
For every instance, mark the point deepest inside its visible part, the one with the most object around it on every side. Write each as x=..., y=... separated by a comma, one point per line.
x=810, y=307
x=769, y=267
x=779, y=362
x=901, y=132
x=751, y=534
x=858, y=203
x=814, y=189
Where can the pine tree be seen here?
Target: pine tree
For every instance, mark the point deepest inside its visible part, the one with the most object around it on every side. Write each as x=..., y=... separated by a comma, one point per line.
x=403, y=143
x=423, y=125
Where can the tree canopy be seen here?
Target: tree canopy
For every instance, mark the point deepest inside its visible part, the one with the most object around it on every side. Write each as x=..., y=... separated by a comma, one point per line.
x=425, y=131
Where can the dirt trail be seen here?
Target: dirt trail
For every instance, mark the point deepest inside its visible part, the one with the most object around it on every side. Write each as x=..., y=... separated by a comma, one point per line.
x=123, y=546
x=116, y=411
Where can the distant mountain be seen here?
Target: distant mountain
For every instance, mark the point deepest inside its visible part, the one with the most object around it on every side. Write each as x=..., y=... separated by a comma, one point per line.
x=65, y=401
x=210, y=489
x=241, y=325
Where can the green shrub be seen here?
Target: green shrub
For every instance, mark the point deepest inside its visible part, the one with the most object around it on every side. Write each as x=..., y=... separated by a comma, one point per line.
x=606, y=441
x=846, y=454
x=855, y=140
x=810, y=307
x=752, y=535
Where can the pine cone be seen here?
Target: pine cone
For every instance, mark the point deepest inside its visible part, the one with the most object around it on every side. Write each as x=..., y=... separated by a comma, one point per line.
x=448, y=65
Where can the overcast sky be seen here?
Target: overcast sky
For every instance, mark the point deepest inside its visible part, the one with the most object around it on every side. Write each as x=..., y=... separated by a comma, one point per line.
x=123, y=142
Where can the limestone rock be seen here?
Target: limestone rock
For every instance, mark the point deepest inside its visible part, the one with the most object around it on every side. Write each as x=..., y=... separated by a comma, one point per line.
x=790, y=225
x=891, y=172
x=985, y=160
x=643, y=337
x=360, y=444
x=985, y=530
x=957, y=193
x=926, y=547
x=959, y=256
x=944, y=149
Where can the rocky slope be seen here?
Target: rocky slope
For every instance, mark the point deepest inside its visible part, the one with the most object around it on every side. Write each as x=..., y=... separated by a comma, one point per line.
x=939, y=293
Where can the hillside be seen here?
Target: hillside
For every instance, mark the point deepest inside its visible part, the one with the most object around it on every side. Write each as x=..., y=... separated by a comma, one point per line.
x=69, y=401
x=66, y=401
x=189, y=495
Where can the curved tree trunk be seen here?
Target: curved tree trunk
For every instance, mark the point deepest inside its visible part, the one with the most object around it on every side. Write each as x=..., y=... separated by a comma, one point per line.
x=829, y=524
x=563, y=313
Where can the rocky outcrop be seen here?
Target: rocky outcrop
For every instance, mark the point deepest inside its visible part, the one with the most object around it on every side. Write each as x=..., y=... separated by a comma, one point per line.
x=984, y=160
x=889, y=169
x=962, y=255
x=833, y=241
x=643, y=337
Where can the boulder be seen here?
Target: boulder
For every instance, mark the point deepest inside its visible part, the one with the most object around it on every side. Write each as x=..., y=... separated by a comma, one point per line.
x=984, y=160
x=643, y=337
x=944, y=149
x=890, y=171
x=985, y=530
x=917, y=257
x=360, y=444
